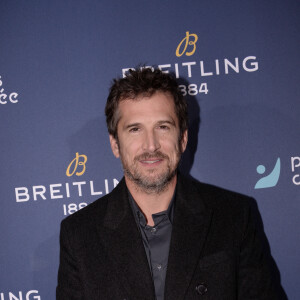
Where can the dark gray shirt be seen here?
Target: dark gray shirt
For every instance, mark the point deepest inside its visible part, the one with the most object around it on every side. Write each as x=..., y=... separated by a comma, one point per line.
x=156, y=242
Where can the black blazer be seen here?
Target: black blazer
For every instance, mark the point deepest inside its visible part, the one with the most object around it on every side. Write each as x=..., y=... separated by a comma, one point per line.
x=215, y=252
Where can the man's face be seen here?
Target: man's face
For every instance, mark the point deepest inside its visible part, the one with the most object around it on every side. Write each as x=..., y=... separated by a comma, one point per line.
x=148, y=141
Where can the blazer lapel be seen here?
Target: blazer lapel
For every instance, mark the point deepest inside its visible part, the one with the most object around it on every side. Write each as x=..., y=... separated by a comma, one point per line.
x=121, y=238
x=190, y=228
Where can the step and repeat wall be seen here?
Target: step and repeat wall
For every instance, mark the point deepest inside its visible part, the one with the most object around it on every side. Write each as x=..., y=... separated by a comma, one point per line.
x=237, y=62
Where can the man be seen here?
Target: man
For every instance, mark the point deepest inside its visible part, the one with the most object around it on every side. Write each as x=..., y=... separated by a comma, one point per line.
x=158, y=235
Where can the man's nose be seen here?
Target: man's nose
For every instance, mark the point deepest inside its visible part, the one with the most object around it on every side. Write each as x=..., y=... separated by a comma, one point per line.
x=151, y=142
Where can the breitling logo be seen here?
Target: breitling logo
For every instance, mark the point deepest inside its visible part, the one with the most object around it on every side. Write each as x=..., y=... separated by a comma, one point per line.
x=75, y=163
x=189, y=41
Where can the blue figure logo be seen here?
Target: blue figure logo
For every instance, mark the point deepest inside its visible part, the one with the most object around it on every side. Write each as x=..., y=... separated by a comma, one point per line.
x=269, y=180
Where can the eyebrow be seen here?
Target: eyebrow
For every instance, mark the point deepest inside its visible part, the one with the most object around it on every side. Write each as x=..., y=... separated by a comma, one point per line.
x=171, y=122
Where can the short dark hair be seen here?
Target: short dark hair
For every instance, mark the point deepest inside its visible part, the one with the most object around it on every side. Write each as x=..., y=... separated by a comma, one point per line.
x=145, y=82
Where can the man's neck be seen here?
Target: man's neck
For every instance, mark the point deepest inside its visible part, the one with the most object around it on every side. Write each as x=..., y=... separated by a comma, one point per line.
x=151, y=203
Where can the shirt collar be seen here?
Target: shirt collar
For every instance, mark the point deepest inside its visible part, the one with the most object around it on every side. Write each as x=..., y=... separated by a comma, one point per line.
x=157, y=217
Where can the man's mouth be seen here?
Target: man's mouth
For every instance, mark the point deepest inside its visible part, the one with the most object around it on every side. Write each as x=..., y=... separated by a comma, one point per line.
x=150, y=161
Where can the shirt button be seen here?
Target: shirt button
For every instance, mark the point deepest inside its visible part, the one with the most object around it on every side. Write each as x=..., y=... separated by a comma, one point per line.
x=153, y=230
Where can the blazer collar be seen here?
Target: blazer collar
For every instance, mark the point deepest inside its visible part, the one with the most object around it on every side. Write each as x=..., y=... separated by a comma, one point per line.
x=190, y=228
x=123, y=243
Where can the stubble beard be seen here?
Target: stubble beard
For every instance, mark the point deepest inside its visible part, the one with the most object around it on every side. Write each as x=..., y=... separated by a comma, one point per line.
x=152, y=183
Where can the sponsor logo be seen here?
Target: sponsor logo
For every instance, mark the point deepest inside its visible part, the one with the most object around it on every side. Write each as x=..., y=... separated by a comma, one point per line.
x=75, y=163
x=73, y=190
x=269, y=180
x=7, y=97
x=185, y=43
x=61, y=190
x=295, y=164
x=202, y=69
x=30, y=295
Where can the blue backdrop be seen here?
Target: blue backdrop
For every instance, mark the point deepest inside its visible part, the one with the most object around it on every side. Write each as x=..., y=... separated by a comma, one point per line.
x=238, y=63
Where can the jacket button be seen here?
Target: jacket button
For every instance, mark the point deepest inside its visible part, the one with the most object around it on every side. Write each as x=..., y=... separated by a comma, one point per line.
x=201, y=288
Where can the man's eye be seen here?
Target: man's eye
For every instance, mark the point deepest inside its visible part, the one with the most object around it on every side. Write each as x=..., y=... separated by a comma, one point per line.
x=164, y=127
x=134, y=129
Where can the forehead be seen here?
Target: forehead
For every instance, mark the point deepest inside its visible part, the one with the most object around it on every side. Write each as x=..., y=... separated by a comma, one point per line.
x=159, y=104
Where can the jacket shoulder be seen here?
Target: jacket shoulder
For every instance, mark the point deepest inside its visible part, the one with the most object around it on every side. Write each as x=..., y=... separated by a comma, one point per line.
x=95, y=211
x=214, y=197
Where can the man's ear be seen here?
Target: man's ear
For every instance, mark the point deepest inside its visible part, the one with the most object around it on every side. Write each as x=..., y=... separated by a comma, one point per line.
x=114, y=146
x=184, y=140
